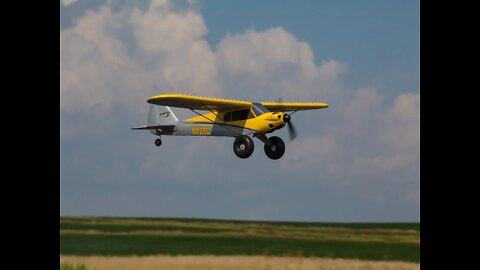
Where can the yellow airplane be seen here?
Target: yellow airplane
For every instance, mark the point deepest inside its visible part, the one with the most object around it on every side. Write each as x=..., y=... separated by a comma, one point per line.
x=233, y=118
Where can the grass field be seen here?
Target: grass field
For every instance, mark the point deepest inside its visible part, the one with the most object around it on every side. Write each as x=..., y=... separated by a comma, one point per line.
x=71, y=266
x=143, y=237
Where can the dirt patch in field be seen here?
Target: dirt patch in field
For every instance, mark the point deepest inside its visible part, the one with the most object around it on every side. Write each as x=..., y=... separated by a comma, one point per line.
x=230, y=262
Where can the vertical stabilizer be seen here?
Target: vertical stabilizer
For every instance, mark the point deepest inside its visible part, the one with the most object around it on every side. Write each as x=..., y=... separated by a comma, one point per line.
x=160, y=115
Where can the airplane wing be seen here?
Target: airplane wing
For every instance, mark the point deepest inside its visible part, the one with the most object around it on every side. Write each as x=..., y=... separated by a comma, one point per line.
x=293, y=106
x=198, y=103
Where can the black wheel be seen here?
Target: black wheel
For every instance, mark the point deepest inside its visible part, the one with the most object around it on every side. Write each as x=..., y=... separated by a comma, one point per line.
x=158, y=142
x=277, y=149
x=243, y=146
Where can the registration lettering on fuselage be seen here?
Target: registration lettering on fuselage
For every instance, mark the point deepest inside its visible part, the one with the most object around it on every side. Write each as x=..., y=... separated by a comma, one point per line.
x=200, y=131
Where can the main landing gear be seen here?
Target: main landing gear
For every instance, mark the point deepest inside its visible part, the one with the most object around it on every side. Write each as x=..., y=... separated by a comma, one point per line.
x=158, y=142
x=274, y=147
x=243, y=146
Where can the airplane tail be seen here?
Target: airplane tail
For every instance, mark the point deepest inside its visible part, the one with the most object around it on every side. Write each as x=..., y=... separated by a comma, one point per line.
x=161, y=115
x=159, y=118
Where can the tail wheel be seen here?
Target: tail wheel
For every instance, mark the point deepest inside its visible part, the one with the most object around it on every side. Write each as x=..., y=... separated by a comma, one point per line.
x=158, y=142
x=243, y=146
x=276, y=150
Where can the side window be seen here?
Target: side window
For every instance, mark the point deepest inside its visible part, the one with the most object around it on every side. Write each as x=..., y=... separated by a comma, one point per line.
x=227, y=117
x=241, y=115
x=238, y=115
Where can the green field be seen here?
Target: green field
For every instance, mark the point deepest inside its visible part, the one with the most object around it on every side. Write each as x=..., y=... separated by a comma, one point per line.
x=148, y=236
x=67, y=266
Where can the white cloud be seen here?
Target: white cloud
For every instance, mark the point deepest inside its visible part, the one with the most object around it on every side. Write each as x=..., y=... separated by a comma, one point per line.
x=363, y=105
x=167, y=52
x=257, y=52
x=367, y=140
x=398, y=140
x=310, y=152
x=159, y=30
x=68, y=2
x=276, y=63
x=403, y=122
x=98, y=69
x=180, y=58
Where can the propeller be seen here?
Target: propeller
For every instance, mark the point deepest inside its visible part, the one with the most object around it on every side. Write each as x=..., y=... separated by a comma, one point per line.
x=287, y=118
x=292, y=132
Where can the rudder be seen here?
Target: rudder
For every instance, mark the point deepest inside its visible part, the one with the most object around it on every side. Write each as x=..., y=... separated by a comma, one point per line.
x=160, y=115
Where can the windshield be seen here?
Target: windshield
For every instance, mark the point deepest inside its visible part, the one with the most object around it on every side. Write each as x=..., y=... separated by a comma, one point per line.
x=259, y=109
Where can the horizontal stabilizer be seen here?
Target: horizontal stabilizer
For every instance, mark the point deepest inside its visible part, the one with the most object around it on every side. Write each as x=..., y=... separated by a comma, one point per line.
x=161, y=127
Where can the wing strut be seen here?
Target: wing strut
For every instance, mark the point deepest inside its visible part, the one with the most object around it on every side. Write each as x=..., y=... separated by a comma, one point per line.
x=226, y=126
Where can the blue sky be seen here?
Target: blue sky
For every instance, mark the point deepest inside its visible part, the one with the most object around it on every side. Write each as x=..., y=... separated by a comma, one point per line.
x=358, y=161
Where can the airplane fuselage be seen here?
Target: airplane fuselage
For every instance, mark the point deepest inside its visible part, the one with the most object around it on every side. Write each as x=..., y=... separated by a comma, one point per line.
x=213, y=124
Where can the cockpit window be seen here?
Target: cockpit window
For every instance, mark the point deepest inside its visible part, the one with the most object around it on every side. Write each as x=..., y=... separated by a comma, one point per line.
x=238, y=115
x=259, y=109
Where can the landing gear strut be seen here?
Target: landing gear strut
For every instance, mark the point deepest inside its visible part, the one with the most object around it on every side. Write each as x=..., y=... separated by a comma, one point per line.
x=243, y=146
x=158, y=142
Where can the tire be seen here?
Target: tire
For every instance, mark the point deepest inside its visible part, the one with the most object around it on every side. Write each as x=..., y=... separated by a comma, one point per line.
x=277, y=149
x=158, y=142
x=243, y=146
